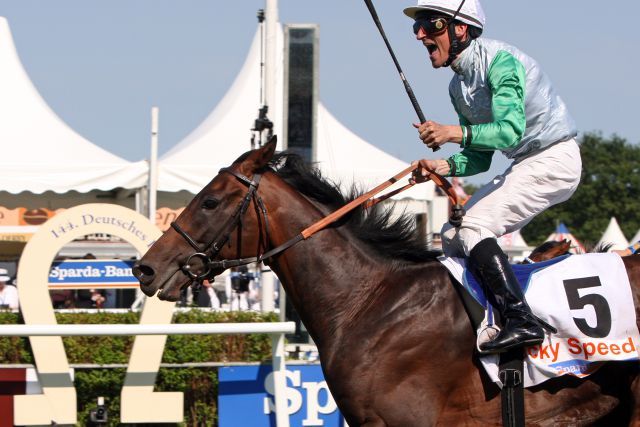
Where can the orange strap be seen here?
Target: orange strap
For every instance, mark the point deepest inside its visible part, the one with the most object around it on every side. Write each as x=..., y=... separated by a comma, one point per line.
x=439, y=180
x=446, y=186
x=365, y=199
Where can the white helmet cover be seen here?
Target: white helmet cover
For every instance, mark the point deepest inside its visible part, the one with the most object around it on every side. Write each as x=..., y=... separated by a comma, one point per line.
x=471, y=12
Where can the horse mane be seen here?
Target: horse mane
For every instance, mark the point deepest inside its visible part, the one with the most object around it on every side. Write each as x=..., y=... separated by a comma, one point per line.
x=599, y=248
x=389, y=237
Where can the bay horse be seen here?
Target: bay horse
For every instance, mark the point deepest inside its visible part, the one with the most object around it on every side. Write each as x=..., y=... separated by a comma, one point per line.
x=395, y=343
x=548, y=250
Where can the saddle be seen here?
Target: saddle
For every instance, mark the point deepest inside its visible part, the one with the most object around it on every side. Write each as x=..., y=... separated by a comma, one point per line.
x=587, y=298
x=472, y=294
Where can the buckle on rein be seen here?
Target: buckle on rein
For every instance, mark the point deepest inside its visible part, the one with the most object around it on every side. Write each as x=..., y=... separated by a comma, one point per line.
x=510, y=377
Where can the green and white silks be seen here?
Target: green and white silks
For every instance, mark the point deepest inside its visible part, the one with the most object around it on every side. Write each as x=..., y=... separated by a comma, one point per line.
x=509, y=104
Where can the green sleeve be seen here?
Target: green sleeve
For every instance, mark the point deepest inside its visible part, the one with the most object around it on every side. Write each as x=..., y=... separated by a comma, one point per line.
x=470, y=162
x=507, y=80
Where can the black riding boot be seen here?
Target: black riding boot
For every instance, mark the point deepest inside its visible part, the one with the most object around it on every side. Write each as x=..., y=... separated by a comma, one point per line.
x=520, y=328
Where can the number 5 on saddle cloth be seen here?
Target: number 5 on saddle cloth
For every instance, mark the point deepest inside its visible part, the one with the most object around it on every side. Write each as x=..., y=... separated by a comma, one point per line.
x=586, y=297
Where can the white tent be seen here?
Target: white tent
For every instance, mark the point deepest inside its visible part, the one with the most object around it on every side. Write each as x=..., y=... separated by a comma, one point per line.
x=39, y=151
x=344, y=157
x=341, y=155
x=613, y=236
x=514, y=245
x=224, y=134
x=635, y=238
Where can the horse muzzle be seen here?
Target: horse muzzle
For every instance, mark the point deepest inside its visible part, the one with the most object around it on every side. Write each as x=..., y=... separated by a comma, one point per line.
x=194, y=270
x=146, y=276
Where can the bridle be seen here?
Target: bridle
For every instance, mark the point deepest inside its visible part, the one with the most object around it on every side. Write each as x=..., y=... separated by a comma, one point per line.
x=235, y=222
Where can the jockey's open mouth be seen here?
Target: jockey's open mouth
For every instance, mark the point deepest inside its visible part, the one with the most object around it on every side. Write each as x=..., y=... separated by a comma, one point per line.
x=431, y=47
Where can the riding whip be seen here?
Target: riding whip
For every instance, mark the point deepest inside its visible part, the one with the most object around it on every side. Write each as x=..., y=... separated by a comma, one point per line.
x=407, y=86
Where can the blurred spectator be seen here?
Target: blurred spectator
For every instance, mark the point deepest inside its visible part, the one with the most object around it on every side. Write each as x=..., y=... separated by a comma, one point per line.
x=208, y=297
x=62, y=298
x=83, y=299
x=8, y=293
x=220, y=288
x=241, y=280
x=633, y=249
x=97, y=298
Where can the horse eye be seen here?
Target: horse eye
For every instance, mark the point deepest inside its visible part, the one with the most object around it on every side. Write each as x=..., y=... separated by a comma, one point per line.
x=210, y=203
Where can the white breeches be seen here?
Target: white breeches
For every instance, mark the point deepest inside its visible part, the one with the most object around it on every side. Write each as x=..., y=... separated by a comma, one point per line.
x=512, y=199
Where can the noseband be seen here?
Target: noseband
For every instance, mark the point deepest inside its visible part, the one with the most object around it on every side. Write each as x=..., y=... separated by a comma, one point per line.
x=212, y=249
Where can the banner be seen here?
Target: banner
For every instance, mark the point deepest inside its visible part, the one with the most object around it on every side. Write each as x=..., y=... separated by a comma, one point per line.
x=24, y=216
x=92, y=273
x=245, y=397
x=34, y=217
x=165, y=216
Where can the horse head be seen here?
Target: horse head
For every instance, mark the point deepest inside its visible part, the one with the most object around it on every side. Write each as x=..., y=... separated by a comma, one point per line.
x=549, y=250
x=217, y=224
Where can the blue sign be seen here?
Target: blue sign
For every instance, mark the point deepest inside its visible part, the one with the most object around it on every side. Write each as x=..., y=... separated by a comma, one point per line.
x=246, y=397
x=92, y=273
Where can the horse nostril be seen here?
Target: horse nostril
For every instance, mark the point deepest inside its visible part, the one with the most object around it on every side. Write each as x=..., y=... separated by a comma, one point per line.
x=143, y=273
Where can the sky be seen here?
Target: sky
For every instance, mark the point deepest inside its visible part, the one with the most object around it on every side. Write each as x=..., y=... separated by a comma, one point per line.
x=102, y=65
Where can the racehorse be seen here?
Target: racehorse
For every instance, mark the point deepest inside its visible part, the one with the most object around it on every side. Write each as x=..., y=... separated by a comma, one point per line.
x=548, y=250
x=395, y=343
x=552, y=249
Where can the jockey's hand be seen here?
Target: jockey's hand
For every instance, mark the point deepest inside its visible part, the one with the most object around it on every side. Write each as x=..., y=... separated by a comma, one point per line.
x=424, y=167
x=434, y=134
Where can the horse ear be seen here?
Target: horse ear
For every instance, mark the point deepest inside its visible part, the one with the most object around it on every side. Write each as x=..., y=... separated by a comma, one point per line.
x=263, y=155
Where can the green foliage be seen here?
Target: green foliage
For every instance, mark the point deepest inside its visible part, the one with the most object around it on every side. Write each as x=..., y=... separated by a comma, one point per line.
x=199, y=385
x=470, y=188
x=610, y=186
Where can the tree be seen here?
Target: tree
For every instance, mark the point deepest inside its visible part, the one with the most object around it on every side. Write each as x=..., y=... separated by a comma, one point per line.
x=470, y=188
x=609, y=186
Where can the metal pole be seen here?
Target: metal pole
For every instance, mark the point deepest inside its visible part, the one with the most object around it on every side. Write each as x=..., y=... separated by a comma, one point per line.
x=271, y=27
x=153, y=165
x=280, y=380
x=267, y=281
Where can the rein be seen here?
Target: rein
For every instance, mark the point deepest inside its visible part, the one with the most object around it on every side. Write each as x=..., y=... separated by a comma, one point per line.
x=235, y=221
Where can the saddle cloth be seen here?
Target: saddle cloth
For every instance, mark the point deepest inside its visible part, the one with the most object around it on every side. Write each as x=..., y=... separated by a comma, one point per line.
x=586, y=297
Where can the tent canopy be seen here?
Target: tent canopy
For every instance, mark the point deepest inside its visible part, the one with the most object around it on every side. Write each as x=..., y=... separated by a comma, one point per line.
x=513, y=241
x=341, y=156
x=613, y=236
x=224, y=134
x=39, y=151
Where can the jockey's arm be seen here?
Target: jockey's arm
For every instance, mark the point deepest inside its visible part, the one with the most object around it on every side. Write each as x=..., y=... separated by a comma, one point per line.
x=507, y=79
x=469, y=162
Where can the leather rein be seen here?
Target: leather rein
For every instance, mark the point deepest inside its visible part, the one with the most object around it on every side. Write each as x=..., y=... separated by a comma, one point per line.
x=235, y=222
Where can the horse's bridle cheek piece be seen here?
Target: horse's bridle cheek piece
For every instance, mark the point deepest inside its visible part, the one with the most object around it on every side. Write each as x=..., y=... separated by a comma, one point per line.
x=205, y=255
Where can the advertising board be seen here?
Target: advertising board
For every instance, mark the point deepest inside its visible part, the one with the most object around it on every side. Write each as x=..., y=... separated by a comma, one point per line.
x=245, y=397
x=92, y=273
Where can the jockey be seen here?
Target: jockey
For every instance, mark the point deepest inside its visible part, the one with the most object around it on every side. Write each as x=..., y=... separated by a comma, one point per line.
x=505, y=102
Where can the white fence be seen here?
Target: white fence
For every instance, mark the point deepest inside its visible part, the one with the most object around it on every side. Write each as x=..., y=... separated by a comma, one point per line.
x=276, y=330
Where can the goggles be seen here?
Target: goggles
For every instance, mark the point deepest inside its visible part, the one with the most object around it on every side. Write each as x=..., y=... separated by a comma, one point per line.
x=432, y=26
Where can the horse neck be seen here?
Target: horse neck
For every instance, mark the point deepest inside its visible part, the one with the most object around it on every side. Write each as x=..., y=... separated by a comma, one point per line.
x=325, y=275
